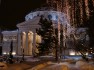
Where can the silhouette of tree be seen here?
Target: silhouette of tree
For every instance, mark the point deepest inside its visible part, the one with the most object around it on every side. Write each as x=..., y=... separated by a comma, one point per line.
x=47, y=33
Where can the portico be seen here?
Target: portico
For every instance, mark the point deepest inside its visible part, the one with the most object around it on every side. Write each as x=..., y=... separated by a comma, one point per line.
x=27, y=36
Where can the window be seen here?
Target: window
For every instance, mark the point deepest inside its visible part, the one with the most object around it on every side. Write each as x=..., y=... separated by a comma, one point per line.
x=56, y=17
x=50, y=16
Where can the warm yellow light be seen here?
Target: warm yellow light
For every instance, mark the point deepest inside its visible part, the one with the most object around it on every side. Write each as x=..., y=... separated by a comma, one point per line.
x=78, y=54
x=24, y=33
x=13, y=53
x=72, y=53
x=38, y=39
x=86, y=53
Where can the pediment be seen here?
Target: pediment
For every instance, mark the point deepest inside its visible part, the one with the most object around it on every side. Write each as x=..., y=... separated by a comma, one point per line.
x=31, y=22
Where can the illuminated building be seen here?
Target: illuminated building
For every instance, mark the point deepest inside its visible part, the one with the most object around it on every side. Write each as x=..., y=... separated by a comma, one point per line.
x=25, y=37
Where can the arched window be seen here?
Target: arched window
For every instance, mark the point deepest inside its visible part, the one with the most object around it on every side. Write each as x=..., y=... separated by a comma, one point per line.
x=56, y=17
x=50, y=16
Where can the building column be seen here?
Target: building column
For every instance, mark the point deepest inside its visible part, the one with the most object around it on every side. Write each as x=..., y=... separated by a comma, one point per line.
x=34, y=42
x=30, y=43
x=18, y=51
x=27, y=48
x=24, y=43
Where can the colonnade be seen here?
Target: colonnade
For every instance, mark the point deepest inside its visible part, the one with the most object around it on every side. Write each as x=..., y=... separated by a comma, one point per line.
x=26, y=42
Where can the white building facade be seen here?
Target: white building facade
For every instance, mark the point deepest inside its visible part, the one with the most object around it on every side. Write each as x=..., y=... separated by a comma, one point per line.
x=25, y=37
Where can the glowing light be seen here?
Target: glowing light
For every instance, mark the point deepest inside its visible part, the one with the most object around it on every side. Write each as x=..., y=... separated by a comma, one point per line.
x=90, y=48
x=78, y=54
x=72, y=53
x=4, y=53
x=5, y=39
x=24, y=33
x=13, y=53
x=86, y=53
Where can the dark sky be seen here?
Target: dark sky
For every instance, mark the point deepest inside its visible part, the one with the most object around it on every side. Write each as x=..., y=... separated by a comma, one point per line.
x=14, y=11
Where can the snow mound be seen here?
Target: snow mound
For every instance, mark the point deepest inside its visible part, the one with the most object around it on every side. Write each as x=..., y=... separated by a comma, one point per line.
x=3, y=66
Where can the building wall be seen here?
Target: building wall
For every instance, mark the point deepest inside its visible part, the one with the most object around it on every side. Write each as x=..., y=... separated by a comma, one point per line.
x=9, y=36
x=26, y=37
x=21, y=41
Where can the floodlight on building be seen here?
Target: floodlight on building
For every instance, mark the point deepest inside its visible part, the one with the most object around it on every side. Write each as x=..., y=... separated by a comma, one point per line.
x=72, y=53
x=78, y=54
x=13, y=53
x=24, y=33
x=4, y=53
x=86, y=53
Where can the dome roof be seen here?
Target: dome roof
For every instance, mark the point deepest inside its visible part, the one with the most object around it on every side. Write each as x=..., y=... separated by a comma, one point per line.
x=49, y=14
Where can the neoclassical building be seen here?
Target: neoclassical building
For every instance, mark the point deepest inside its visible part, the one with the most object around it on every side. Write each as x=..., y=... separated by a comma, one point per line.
x=25, y=37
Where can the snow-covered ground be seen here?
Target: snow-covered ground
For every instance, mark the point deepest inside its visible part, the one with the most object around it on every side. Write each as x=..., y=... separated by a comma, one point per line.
x=67, y=65
x=32, y=59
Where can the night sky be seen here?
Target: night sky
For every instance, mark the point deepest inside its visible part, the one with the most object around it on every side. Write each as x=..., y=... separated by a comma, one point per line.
x=13, y=12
